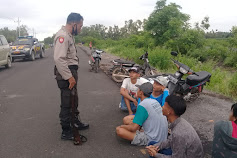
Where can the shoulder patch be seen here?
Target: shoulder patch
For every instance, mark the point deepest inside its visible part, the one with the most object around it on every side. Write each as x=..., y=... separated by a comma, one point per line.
x=61, y=39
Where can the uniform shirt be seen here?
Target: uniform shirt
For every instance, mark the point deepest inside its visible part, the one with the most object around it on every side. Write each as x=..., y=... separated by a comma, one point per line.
x=160, y=99
x=149, y=116
x=65, y=52
x=132, y=89
x=183, y=141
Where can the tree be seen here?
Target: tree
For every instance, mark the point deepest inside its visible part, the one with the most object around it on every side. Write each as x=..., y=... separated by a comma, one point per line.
x=49, y=40
x=189, y=40
x=160, y=5
x=23, y=30
x=166, y=22
x=233, y=39
x=205, y=23
x=9, y=34
x=116, y=33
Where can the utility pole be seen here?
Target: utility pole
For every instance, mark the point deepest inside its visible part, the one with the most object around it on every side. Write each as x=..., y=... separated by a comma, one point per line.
x=33, y=32
x=18, y=21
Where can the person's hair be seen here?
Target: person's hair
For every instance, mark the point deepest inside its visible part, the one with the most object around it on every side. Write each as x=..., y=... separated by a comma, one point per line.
x=234, y=109
x=74, y=17
x=147, y=94
x=177, y=103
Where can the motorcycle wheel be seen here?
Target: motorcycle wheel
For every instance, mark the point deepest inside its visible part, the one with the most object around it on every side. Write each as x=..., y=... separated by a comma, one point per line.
x=193, y=95
x=149, y=72
x=96, y=66
x=119, y=71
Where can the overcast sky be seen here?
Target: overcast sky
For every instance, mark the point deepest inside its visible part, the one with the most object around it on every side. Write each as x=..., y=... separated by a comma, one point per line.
x=47, y=16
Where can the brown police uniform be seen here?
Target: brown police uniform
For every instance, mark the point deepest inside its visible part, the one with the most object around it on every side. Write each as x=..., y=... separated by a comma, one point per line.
x=66, y=66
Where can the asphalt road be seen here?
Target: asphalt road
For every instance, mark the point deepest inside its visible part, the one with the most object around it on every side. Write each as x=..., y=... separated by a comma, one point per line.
x=29, y=108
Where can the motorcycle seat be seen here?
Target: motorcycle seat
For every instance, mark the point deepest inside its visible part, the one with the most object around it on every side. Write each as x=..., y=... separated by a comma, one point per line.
x=124, y=62
x=201, y=76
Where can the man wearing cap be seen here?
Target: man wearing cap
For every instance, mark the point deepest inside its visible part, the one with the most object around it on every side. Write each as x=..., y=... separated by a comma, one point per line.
x=128, y=90
x=149, y=116
x=66, y=66
x=160, y=92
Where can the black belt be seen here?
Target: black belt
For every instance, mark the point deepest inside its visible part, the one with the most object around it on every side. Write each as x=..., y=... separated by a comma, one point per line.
x=73, y=67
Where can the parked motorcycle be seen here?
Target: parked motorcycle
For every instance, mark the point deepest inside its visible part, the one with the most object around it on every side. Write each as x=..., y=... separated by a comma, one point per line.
x=146, y=68
x=121, y=68
x=94, y=62
x=188, y=88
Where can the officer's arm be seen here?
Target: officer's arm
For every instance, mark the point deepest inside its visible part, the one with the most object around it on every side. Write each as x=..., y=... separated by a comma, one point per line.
x=60, y=57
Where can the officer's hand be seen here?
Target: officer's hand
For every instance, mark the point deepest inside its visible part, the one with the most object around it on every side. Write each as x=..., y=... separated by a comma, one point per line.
x=72, y=82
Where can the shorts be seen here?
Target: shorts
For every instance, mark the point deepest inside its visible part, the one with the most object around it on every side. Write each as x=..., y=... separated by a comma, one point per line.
x=123, y=106
x=140, y=139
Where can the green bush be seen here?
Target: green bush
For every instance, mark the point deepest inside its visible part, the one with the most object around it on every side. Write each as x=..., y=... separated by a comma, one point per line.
x=231, y=60
x=188, y=40
x=160, y=58
x=222, y=81
x=217, y=50
x=233, y=85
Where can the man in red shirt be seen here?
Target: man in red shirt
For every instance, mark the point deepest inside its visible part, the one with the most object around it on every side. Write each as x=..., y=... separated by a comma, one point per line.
x=233, y=119
x=225, y=136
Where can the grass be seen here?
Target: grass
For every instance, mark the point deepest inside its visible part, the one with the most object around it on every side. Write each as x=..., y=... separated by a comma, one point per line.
x=222, y=81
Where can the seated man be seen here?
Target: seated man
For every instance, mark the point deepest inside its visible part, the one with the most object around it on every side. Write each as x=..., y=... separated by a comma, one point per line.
x=128, y=90
x=160, y=92
x=183, y=141
x=225, y=136
x=148, y=116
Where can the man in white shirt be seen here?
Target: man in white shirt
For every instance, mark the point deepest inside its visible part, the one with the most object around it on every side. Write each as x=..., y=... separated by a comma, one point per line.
x=129, y=90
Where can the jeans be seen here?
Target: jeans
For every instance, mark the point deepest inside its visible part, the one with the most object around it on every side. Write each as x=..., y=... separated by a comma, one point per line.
x=163, y=151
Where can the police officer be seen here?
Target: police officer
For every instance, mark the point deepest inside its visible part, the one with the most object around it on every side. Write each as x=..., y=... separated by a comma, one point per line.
x=66, y=66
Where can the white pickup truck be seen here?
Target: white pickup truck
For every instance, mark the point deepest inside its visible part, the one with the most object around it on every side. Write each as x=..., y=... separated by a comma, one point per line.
x=5, y=55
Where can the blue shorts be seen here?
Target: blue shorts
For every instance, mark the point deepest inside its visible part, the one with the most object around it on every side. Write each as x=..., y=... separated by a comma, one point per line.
x=163, y=151
x=124, y=106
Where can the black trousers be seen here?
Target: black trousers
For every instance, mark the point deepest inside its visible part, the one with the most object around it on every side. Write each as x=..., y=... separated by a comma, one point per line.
x=66, y=107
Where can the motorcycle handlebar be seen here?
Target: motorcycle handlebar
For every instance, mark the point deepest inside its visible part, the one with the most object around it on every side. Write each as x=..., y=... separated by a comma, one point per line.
x=144, y=56
x=178, y=65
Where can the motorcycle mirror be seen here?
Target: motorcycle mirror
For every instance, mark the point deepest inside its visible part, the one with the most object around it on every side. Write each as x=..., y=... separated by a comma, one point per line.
x=174, y=53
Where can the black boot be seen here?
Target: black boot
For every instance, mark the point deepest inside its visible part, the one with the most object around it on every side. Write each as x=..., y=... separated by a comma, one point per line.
x=67, y=134
x=81, y=126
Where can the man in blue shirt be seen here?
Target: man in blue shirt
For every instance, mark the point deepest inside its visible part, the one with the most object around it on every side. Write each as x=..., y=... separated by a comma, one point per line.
x=148, y=116
x=160, y=92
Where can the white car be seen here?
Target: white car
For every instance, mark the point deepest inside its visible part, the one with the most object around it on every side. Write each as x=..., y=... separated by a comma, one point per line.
x=5, y=56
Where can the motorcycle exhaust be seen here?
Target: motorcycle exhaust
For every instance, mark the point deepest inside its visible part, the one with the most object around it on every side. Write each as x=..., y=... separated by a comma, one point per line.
x=118, y=75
